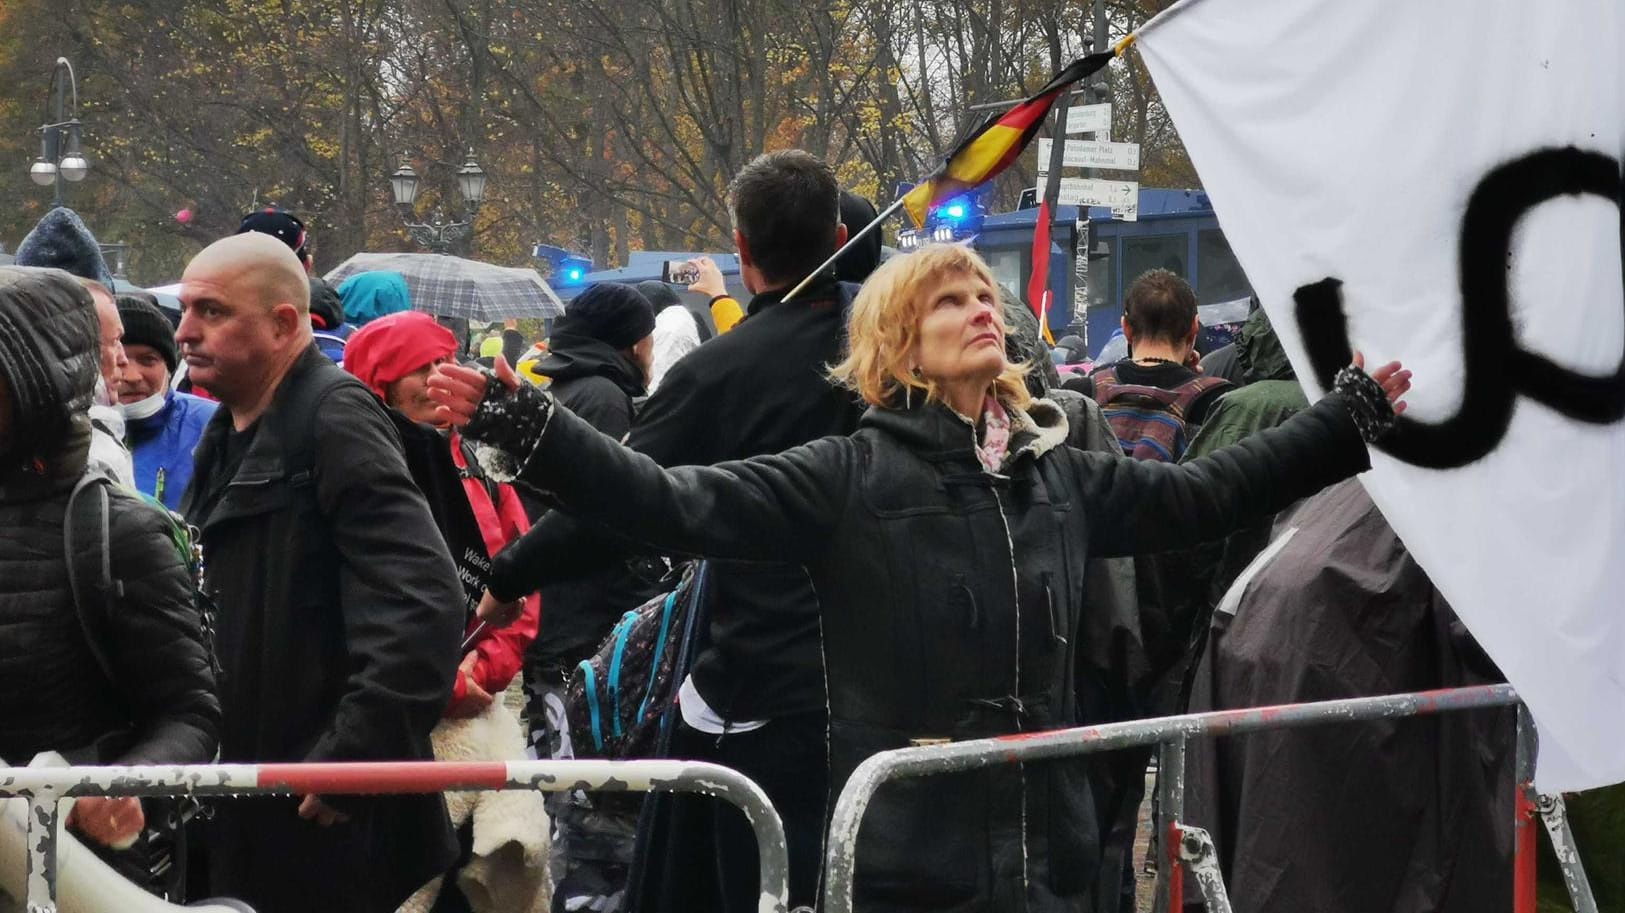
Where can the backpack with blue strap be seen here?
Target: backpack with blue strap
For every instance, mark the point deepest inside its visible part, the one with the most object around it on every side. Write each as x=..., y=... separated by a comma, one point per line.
x=616, y=700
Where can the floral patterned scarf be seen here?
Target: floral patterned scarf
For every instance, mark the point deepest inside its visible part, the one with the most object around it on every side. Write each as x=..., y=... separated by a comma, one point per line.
x=995, y=442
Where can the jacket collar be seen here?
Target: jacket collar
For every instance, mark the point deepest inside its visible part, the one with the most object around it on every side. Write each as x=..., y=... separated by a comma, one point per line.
x=823, y=288
x=572, y=356
x=939, y=434
x=267, y=453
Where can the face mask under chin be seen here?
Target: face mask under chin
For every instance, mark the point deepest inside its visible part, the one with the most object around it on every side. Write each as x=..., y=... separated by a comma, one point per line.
x=144, y=408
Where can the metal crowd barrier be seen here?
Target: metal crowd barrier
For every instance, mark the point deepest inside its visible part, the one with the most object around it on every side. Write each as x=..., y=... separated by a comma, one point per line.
x=1184, y=845
x=44, y=787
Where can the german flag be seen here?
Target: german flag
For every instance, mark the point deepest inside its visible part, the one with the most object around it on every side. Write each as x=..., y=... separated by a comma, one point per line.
x=997, y=143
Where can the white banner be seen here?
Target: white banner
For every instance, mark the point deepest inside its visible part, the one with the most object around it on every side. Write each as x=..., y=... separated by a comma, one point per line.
x=1455, y=166
x=1082, y=153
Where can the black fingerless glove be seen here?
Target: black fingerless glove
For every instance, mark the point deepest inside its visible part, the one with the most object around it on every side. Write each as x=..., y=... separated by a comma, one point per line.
x=1367, y=403
x=507, y=426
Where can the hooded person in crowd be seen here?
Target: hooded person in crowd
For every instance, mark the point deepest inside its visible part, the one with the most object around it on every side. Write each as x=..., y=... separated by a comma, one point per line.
x=340, y=611
x=956, y=509
x=61, y=241
x=599, y=355
x=162, y=426
x=477, y=517
x=373, y=294
x=676, y=332
x=120, y=679
x=1391, y=816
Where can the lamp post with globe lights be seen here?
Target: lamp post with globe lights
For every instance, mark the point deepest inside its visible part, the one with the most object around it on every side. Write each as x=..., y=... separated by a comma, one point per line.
x=61, y=156
x=439, y=236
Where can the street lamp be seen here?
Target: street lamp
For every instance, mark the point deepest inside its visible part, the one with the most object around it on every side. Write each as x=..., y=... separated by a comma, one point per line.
x=438, y=236
x=60, y=157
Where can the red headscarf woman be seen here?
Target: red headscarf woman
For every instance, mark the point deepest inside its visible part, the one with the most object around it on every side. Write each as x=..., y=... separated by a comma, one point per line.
x=393, y=356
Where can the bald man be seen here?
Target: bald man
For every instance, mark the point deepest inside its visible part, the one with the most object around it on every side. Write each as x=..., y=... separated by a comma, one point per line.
x=340, y=611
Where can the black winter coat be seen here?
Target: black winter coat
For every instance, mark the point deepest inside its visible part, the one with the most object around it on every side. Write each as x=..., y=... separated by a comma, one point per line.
x=340, y=618
x=598, y=384
x=160, y=706
x=951, y=601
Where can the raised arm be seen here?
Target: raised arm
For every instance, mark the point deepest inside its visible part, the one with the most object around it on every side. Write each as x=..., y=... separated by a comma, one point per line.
x=1140, y=506
x=773, y=508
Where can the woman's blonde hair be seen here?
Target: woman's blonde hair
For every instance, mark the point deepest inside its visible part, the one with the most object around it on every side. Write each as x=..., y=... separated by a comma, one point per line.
x=885, y=328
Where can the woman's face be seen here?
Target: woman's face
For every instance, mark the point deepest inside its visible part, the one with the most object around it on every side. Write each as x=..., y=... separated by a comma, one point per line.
x=410, y=395
x=962, y=332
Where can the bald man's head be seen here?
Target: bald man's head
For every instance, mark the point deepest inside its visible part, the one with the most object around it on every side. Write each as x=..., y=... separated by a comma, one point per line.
x=246, y=319
x=265, y=263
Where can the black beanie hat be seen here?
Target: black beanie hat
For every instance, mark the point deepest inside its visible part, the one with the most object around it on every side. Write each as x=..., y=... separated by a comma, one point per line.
x=660, y=295
x=145, y=325
x=61, y=241
x=609, y=312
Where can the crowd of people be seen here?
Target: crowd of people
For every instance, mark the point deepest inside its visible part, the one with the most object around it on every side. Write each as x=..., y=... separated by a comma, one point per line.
x=332, y=527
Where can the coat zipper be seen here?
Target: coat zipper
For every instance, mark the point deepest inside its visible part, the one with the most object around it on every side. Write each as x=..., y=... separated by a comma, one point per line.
x=1015, y=592
x=1015, y=588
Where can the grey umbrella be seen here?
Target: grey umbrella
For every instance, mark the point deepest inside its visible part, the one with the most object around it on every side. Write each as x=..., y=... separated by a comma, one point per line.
x=449, y=286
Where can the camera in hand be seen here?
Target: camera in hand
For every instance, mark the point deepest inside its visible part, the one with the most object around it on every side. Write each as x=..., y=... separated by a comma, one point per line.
x=679, y=272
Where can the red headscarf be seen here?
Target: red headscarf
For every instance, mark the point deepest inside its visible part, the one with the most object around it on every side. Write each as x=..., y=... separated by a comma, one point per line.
x=389, y=348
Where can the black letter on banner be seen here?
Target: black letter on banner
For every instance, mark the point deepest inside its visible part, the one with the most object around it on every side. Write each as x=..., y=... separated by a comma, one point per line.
x=1495, y=369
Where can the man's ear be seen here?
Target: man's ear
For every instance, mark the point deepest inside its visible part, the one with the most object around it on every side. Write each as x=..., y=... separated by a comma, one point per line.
x=741, y=245
x=1123, y=322
x=840, y=234
x=1196, y=330
x=286, y=318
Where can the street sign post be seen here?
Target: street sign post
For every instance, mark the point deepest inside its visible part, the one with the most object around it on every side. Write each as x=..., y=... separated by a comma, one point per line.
x=1081, y=153
x=1122, y=196
x=1089, y=119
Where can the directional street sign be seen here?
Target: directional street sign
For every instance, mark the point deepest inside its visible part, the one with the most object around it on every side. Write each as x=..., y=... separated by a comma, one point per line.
x=1089, y=154
x=1089, y=119
x=1122, y=196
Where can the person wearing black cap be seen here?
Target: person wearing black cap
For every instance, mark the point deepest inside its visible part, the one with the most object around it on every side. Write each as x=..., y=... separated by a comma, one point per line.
x=598, y=366
x=285, y=227
x=162, y=426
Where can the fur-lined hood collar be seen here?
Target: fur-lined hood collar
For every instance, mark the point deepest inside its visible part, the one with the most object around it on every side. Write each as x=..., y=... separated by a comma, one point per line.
x=938, y=433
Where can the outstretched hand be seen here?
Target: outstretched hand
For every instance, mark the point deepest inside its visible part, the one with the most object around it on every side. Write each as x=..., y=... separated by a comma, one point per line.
x=1392, y=377
x=457, y=390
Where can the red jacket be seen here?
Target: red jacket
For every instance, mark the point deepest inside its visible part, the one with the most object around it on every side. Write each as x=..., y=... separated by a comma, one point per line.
x=501, y=650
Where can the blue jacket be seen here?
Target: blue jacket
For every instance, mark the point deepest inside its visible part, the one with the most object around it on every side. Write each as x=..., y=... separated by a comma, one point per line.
x=162, y=446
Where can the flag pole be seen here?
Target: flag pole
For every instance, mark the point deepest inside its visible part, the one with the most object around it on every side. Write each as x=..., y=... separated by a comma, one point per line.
x=886, y=214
